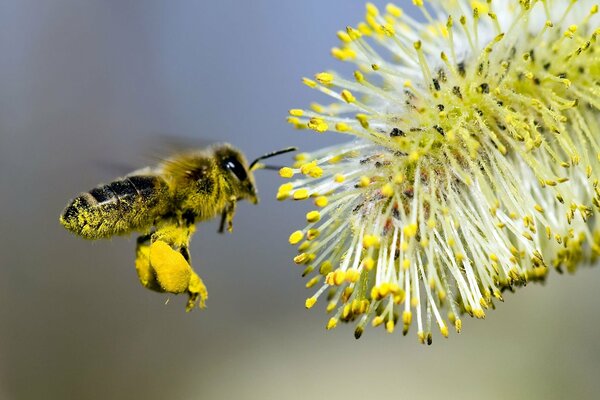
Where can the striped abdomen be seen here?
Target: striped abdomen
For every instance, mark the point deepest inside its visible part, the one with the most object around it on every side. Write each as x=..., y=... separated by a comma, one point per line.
x=130, y=204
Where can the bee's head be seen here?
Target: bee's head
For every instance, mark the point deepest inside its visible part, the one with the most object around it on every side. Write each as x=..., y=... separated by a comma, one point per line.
x=236, y=171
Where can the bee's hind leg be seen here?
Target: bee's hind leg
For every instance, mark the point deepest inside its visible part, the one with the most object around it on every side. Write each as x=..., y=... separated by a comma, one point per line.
x=142, y=264
x=169, y=262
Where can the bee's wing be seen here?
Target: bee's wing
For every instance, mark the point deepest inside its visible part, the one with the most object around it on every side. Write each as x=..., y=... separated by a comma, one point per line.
x=165, y=146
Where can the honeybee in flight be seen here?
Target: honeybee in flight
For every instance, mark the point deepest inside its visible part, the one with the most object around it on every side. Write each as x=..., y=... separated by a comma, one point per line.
x=164, y=203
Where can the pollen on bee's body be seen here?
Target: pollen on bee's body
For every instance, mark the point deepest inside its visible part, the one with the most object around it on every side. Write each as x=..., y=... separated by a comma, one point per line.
x=474, y=165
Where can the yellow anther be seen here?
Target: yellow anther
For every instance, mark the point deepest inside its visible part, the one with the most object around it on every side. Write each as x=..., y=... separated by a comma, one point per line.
x=393, y=10
x=318, y=124
x=296, y=237
x=494, y=257
x=364, y=181
x=309, y=82
x=458, y=325
x=410, y=230
x=405, y=263
x=389, y=326
x=313, y=216
x=301, y=194
x=539, y=208
x=406, y=317
x=286, y=172
x=372, y=9
x=339, y=178
x=339, y=277
x=371, y=241
x=418, y=3
x=384, y=289
x=324, y=78
x=312, y=234
x=444, y=330
x=296, y=112
x=352, y=275
x=387, y=190
x=310, y=302
x=332, y=323
x=321, y=201
x=378, y=320
x=363, y=120
x=348, y=96
x=404, y=245
x=325, y=268
x=368, y=263
x=431, y=224
x=344, y=37
x=388, y=30
x=342, y=127
x=375, y=67
x=359, y=76
x=301, y=258
x=398, y=179
x=304, y=246
x=353, y=33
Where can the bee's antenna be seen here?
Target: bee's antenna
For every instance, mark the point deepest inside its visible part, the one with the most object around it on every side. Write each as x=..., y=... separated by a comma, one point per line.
x=255, y=165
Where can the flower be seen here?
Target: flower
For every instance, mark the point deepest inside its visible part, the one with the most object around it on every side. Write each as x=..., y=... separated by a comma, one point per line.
x=474, y=166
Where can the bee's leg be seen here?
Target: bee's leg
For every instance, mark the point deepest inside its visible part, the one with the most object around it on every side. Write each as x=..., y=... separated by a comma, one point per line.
x=142, y=264
x=222, y=223
x=170, y=262
x=230, y=212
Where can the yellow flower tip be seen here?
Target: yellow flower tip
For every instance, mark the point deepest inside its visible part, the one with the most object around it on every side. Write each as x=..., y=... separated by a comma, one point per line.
x=342, y=127
x=339, y=178
x=310, y=302
x=389, y=326
x=363, y=120
x=406, y=317
x=321, y=201
x=296, y=237
x=312, y=234
x=368, y=263
x=418, y=3
x=371, y=241
x=372, y=9
x=286, y=172
x=317, y=124
x=348, y=96
x=313, y=216
x=378, y=320
x=375, y=67
x=444, y=331
x=301, y=194
x=325, y=78
x=296, y=112
x=393, y=10
x=458, y=325
x=309, y=82
x=360, y=78
x=332, y=323
x=344, y=37
x=352, y=275
x=364, y=181
x=479, y=313
x=410, y=230
x=387, y=190
x=388, y=29
x=338, y=277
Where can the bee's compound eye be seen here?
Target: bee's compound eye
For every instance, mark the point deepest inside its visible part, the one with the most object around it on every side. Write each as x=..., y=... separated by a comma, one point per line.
x=236, y=168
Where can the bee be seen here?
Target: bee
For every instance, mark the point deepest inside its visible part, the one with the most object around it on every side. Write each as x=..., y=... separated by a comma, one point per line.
x=164, y=203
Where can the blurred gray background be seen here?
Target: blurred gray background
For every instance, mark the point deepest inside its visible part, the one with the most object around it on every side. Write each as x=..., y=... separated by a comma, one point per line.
x=86, y=83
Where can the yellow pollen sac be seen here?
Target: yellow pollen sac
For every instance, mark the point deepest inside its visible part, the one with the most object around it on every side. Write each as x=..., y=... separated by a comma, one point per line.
x=286, y=172
x=387, y=190
x=321, y=201
x=405, y=263
x=313, y=216
x=318, y=125
x=394, y=10
x=364, y=181
x=332, y=323
x=344, y=37
x=296, y=112
x=359, y=76
x=352, y=275
x=339, y=178
x=371, y=241
x=342, y=127
x=324, y=78
x=444, y=330
x=310, y=302
x=301, y=194
x=312, y=234
x=388, y=30
x=338, y=277
x=368, y=263
x=372, y=9
x=389, y=326
x=410, y=230
x=172, y=271
x=348, y=96
x=363, y=120
x=406, y=318
x=325, y=268
x=378, y=320
x=309, y=82
x=296, y=237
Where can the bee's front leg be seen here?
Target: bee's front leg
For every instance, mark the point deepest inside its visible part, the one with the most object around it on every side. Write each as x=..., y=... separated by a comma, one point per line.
x=230, y=212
